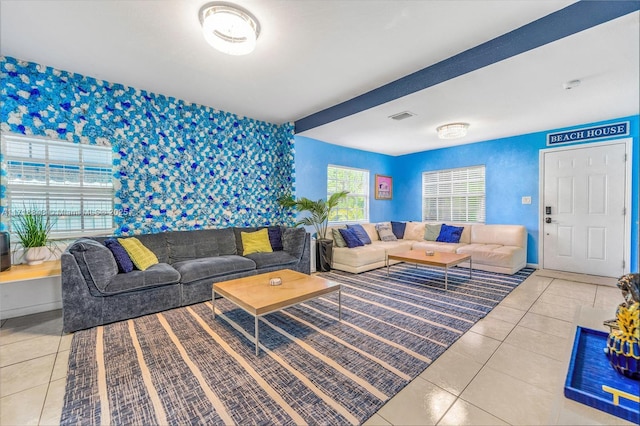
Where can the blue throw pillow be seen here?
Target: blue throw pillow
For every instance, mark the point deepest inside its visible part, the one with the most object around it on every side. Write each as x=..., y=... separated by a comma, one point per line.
x=450, y=234
x=361, y=233
x=350, y=237
x=275, y=238
x=398, y=229
x=120, y=255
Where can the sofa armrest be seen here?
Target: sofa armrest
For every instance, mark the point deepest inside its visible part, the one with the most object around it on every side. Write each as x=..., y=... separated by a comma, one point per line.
x=80, y=308
x=293, y=241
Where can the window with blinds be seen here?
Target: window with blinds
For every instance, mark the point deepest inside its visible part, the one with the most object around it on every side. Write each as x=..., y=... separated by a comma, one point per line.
x=71, y=183
x=355, y=208
x=455, y=195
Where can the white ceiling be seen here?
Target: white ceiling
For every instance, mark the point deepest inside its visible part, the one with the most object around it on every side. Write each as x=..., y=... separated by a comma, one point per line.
x=314, y=54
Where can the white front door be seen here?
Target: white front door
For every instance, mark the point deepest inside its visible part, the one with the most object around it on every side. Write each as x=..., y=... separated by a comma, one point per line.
x=583, y=209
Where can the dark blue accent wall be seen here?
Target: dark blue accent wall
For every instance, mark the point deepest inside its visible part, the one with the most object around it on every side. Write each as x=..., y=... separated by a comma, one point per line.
x=512, y=171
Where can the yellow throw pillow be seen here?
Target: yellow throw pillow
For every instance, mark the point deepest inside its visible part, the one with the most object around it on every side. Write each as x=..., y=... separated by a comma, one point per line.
x=256, y=242
x=141, y=256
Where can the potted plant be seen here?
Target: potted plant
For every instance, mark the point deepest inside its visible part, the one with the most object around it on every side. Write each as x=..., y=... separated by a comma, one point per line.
x=318, y=217
x=32, y=230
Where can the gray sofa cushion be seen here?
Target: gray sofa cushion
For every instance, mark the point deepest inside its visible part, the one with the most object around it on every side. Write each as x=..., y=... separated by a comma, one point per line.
x=226, y=240
x=198, y=269
x=267, y=260
x=156, y=275
x=293, y=241
x=157, y=243
x=96, y=262
x=185, y=245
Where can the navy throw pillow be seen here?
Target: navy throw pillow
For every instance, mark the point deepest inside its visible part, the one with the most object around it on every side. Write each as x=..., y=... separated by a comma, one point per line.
x=450, y=234
x=120, y=255
x=350, y=237
x=398, y=229
x=361, y=233
x=275, y=238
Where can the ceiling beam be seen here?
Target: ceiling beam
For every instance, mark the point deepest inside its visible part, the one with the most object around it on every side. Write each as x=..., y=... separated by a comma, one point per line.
x=555, y=26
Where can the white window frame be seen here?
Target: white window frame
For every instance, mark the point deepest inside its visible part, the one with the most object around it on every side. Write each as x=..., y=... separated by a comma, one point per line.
x=341, y=185
x=59, y=199
x=454, y=195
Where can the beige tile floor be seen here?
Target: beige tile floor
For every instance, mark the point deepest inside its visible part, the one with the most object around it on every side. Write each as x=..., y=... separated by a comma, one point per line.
x=508, y=369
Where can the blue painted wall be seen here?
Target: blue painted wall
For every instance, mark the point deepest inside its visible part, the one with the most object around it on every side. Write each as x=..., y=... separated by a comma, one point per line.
x=312, y=159
x=177, y=165
x=512, y=171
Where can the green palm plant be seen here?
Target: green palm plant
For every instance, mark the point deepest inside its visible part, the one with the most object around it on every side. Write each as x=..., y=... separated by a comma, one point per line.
x=319, y=210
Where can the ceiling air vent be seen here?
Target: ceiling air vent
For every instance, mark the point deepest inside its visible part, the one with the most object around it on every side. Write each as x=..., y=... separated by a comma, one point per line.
x=401, y=115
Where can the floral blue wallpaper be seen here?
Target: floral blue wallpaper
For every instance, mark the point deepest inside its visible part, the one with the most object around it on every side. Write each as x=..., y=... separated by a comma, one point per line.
x=177, y=165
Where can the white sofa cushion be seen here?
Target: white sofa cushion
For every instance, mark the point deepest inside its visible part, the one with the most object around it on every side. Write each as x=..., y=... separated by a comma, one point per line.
x=414, y=231
x=505, y=235
x=436, y=246
x=370, y=229
x=494, y=255
x=364, y=255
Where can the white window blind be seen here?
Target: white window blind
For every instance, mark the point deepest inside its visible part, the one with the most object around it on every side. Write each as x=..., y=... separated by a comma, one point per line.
x=355, y=208
x=71, y=183
x=454, y=195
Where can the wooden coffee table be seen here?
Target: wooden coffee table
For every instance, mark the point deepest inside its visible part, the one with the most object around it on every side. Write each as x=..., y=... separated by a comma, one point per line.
x=256, y=296
x=440, y=259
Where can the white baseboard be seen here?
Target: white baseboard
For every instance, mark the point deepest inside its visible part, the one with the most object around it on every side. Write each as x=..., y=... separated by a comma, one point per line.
x=28, y=310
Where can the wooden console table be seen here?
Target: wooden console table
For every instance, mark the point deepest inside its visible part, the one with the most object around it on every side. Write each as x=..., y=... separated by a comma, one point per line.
x=25, y=272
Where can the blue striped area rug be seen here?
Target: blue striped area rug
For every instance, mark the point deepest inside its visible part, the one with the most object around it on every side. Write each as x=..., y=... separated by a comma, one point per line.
x=184, y=367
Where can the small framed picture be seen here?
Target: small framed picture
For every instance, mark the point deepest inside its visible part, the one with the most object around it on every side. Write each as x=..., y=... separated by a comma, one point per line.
x=384, y=187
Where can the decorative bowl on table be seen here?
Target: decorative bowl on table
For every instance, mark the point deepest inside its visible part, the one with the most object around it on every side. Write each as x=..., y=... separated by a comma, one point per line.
x=275, y=281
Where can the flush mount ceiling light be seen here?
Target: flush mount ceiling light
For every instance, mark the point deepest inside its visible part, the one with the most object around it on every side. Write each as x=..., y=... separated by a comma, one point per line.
x=452, y=130
x=229, y=28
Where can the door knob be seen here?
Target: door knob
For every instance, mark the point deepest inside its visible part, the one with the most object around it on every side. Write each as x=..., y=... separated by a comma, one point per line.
x=547, y=220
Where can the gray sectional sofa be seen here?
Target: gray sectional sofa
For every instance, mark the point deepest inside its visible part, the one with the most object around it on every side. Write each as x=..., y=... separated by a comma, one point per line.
x=95, y=293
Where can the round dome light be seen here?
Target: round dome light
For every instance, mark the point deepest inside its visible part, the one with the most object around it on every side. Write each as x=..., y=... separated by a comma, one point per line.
x=229, y=28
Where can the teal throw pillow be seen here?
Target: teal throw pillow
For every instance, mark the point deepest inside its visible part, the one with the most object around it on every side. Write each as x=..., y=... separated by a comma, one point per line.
x=337, y=238
x=431, y=232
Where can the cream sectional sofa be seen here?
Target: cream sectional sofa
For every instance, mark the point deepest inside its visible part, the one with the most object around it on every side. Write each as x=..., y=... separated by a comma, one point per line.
x=495, y=248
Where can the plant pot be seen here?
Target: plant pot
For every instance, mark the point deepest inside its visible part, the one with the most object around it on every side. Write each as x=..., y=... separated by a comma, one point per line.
x=36, y=255
x=324, y=255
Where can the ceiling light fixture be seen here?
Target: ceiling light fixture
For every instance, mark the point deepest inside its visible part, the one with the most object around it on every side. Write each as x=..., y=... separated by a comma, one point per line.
x=452, y=130
x=229, y=28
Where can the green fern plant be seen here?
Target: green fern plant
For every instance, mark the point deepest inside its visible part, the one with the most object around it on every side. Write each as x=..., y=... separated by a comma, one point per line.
x=319, y=210
x=32, y=229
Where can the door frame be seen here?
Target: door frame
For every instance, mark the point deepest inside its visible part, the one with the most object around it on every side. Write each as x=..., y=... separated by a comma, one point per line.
x=628, y=142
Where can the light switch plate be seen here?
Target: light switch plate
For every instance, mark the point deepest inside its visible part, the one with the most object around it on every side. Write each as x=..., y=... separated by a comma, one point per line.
x=526, y=200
